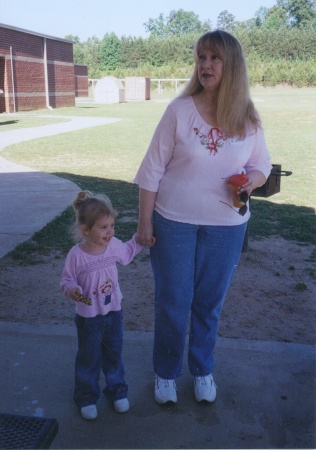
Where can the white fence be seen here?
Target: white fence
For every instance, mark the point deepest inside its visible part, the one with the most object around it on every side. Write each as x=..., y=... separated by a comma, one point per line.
x=177, y=83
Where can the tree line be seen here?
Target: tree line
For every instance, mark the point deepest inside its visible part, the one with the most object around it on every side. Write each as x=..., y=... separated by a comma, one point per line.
x=279, y=44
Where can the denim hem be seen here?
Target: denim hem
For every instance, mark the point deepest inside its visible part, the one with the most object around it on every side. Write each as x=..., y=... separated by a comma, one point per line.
x=167, y=377
x=118, y=395
x=200, y=374
x=83, y=404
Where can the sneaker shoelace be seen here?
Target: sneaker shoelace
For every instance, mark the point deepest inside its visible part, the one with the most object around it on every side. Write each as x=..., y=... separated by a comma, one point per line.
x=164, y=382
x=203, y=380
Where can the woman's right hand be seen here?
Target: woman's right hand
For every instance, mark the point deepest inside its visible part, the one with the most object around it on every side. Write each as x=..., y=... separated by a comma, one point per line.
x=145, y=230
x=145, y=235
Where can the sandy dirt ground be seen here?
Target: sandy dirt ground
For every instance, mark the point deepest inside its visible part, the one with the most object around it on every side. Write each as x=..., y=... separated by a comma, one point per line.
x=272, y=297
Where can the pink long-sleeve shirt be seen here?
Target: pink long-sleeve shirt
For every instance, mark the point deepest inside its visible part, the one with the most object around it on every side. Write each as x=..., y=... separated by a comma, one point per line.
x=188, y=163
x=97, y=276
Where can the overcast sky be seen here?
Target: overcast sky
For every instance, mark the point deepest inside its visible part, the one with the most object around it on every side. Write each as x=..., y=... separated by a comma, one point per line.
x=123, y=17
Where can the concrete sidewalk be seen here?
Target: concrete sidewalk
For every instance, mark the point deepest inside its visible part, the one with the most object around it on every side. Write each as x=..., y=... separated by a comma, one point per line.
x=29, y=199
x=265, y=398
x=73, y=123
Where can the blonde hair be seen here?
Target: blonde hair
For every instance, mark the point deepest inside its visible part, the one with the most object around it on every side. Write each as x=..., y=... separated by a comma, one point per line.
x=88, y=209
x=235, y=111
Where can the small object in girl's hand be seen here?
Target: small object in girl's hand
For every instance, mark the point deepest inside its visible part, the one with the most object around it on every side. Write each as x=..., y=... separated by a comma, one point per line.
x=84, y=299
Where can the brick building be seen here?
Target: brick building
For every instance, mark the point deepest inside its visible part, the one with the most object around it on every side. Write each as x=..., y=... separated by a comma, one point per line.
x=81, y=80
x=37, y=71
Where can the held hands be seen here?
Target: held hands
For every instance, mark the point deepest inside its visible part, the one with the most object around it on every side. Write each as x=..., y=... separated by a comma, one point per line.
x=145, y=230
x=145, y=235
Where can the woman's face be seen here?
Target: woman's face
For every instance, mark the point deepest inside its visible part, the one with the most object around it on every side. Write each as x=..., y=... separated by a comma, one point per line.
x=209, y=69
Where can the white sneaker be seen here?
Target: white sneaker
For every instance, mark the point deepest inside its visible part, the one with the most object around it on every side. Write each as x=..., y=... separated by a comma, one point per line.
x=121, y=405
x=89, y=412
x=165, y=390
x=205, y=388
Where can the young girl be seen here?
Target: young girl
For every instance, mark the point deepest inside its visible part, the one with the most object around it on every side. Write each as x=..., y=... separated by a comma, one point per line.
x=90, y=277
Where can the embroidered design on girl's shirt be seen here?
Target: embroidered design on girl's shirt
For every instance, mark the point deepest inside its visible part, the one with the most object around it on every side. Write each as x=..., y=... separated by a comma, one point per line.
x=213, y=141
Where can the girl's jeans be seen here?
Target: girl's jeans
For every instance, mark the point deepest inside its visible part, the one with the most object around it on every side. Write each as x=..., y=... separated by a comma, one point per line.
x=193, y=266
x=100, y=341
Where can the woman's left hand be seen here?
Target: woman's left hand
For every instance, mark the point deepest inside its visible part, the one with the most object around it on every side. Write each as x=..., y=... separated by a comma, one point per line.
x=247, y=187
x=255, y=179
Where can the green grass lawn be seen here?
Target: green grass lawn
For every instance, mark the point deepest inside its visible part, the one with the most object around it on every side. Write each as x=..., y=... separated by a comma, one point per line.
x=106, y=158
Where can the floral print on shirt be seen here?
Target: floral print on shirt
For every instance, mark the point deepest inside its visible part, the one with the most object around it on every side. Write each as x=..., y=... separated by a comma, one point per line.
x=213, y=141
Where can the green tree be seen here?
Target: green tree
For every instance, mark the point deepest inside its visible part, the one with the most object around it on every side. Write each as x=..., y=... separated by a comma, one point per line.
x=133, y=52
x=91, y=52
x=275, y=18
x=110, y=51
x=300, y=13
x=276, y=50
x=260, y=16
x=225, y=21
x=156, y=27
x=177, y=23
x=183, y=22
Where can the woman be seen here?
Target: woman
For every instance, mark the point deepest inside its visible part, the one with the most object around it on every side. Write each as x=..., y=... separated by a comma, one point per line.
x=211, y=132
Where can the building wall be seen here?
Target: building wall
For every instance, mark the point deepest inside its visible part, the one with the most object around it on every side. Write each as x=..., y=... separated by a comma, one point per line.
x=2, y=75
x=81, y=80
x=22, y=54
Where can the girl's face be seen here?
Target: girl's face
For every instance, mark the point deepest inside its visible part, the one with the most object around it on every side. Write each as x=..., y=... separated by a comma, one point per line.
x=209, y=69
x=101, y=233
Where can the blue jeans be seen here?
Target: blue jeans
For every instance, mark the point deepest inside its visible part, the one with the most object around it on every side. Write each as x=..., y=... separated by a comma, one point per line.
x=193, y=267
x=100, y=342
